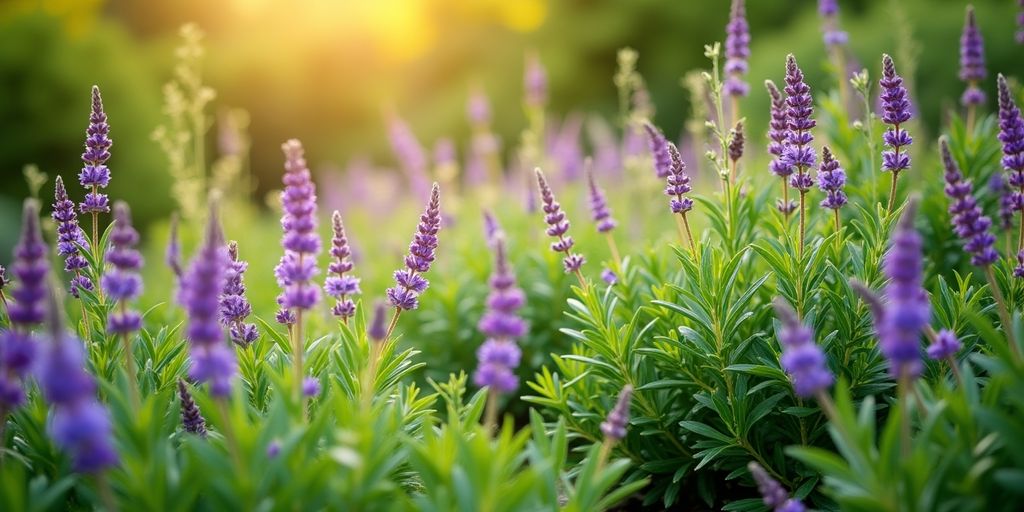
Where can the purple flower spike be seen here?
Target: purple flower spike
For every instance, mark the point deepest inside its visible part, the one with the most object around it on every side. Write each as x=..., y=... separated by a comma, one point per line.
x=829, y=11
x=798, y=152
x=29, y=268
x=906, y=310
x=410, y=282
x=558, y=226
x=1018, y=271
x=122, y=282
x=234, y=306
x=172, y=256
x=778, y=132
x=301, y=243
x=895, y=112
x=614, y=426
x=737, y=50
x=191, y=417
x=378, y=328
x=310, y=387
x=831, y=180
x=609, y=276
x=968, y=221
x=535, y=81
x=736, y=142
x=411, y=155
x=1011, y=134
x=213, y=360
x=678, y=183
x=1007, y=200
x=775, y=496
x=70, y=238
x=599, y=210
x=802, y=359
x=491, y=228
x=338, y=285
x=95, y=174
x=972, y=60
x=79, y=424
x=498, y=360
x=26, y=310
x=946, y=345
x=659, y=150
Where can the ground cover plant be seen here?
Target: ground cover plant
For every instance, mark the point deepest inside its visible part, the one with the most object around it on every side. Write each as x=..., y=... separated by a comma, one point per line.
x=827, y=316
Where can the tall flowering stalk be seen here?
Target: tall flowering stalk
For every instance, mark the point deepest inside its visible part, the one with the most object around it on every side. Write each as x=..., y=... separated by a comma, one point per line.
x=191, y=417
x=409, y=281
x=338, y=285
x=778, y=133
x=213, y=360
x=737, y=51
x=1011, y=134
x=70, y=239
x=831, y=180
x=773, y=494
x=972, y=66
x=676, y=187
x=659, y=150
x=79, y=424
x=802, y=359
x=301, y=244
x=835, y=42
x=499, y=355
x=123, y=284
x=558, y=227
x=798, y=152
x=601, y=214
x=614, y=426
x=410, y=153
x=95, y=175
x=27, y=309
x=234, y=306
x=895, y=112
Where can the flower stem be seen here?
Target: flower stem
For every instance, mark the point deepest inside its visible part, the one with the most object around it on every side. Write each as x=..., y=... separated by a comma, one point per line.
x=298, y=347
x=892, y=191
x=970, y=120
x=839, y=228
x=1004, y=313
x=685, y=234
x=803, y=223
x=615, y=251
x=106, y=494
x=394, y=322
x=606, y=450
x=904, y=397
x=370, y=377
x=785, y=198
x=491, y=415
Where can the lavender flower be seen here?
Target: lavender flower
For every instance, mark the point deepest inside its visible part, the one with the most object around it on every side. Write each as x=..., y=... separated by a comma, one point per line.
x=273, y=449
x=234, y=306
x=410, y=282
x=678, y=183
x=609, y=276
x=737, y=50
x=802, y=359
x=797, y=152
x=377, y=331
x=191, y=418
x=778, y=132
x=829, y=11
x=599, y=210
x=410, y=153
x=659, y=150
x=27, y=309
x=172, y=256
x=79, y=423
x=339, y=285
x=1007, y=199
x=499, y=356
x=213, y=360
x=301, y=243
x=972, y=60
x=614, y=426
x=775, y=496
x=310, y=387
x=1011, y=134
x=558, y=226
x=831, y=180
x=491, y=227
x=906, y=311
x=968, y=221
x=95, y=174
x=895, y=111
x=122, y=282
x=944, y=346
x=70, y=238
x=478, y=109
x=736, y=142
x=535, y=80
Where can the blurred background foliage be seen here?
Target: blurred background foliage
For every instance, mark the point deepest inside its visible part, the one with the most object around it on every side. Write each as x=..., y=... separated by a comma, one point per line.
x=330, y=71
